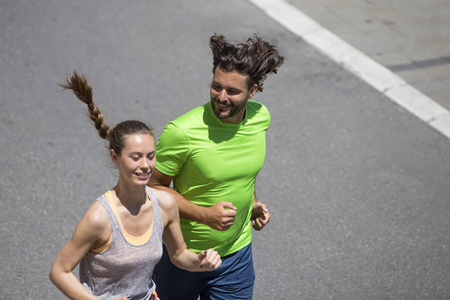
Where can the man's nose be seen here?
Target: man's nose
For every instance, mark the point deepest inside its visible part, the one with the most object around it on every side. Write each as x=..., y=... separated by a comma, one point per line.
x=222, y=95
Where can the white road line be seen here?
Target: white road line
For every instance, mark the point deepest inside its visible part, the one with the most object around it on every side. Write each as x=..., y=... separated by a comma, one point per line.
x=358, y=63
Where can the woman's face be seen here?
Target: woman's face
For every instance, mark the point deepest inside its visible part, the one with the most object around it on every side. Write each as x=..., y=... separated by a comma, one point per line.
x=137, y=161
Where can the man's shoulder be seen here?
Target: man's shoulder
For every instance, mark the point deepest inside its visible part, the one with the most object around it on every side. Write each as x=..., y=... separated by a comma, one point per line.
x=181, y=127
x=194, y=115
x=257, y=112
x=256, y=106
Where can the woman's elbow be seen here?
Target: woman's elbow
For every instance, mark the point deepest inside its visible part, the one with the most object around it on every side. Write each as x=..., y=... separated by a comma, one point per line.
x=52, y=275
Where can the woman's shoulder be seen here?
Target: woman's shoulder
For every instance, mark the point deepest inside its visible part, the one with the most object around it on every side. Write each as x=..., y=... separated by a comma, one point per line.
x=165, y=200
x=167, y=204
x=96, y=217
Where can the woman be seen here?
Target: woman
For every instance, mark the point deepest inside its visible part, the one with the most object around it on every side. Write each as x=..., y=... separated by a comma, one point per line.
x=118, y=241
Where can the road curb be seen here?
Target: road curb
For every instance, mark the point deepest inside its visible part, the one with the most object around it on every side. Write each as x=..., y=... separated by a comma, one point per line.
x=358, y=63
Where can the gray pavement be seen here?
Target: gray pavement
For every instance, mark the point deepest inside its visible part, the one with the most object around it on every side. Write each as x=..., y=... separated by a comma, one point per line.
x=410, y=38
x=358, y=187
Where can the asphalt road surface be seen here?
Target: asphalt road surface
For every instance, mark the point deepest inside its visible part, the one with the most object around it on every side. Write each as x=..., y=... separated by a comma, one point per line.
x=358, y=188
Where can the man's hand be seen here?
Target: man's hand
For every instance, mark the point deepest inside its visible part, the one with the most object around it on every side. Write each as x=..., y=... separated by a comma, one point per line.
x=220, y=216
x=260, y=215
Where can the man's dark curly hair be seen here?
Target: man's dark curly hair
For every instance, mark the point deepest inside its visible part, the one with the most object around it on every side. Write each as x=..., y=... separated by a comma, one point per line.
x=255, y=58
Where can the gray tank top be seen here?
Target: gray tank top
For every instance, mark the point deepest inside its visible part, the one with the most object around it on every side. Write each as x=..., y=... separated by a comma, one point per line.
x=124, y=268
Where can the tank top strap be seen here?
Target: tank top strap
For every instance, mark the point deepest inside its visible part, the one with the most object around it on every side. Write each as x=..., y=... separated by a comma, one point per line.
x=105, y=201
x=158, y=224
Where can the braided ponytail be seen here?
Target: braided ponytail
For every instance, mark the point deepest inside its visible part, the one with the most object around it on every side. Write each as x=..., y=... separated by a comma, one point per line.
x=83, y=91
x=115, y=136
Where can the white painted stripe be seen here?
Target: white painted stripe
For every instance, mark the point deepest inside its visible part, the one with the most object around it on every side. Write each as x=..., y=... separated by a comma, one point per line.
x=358, y=63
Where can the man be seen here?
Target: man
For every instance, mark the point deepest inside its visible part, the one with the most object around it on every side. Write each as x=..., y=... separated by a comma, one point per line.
x=213, y=154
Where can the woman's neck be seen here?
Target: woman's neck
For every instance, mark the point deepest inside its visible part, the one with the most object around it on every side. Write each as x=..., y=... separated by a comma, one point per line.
x=131, y=197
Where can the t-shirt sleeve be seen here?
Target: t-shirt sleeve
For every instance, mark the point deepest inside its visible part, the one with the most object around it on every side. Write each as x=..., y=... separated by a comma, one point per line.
x=172, y=150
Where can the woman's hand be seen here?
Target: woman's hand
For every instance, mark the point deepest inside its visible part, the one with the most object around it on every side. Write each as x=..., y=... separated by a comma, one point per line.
x=209, y=260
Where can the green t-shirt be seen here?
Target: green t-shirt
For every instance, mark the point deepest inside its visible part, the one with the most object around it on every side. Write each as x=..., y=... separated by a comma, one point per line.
x=213, y=161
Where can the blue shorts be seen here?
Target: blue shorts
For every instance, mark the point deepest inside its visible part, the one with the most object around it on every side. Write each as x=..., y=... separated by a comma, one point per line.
x=233, y=280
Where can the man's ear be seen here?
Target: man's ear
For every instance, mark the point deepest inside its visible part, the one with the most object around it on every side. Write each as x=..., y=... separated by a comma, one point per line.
x=253, y=90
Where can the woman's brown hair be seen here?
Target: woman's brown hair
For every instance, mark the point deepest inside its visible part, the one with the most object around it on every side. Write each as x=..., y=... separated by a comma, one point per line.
x=115, y=136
